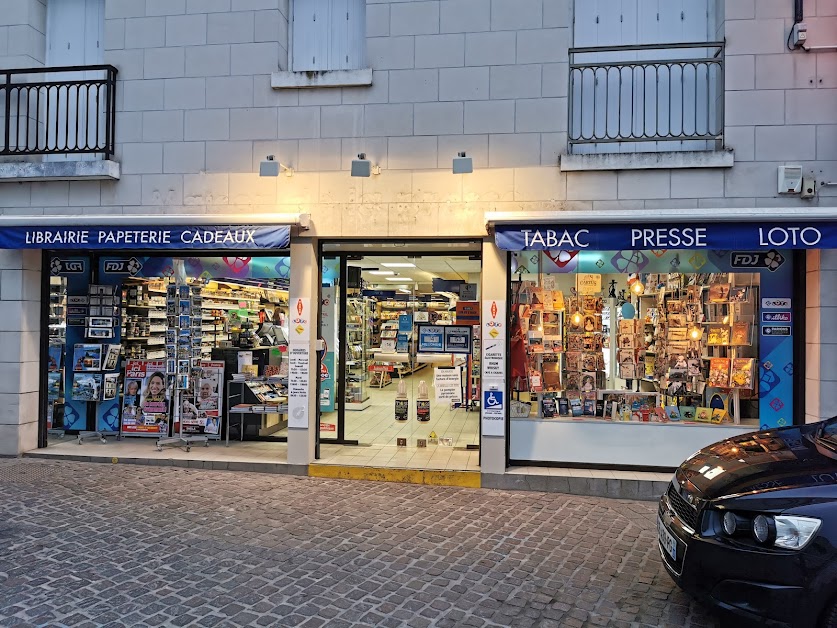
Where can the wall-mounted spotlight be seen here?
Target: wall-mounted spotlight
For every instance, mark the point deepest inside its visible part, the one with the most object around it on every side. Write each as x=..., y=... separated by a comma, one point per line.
x=462, y=164
x=271, y=168
x=362, y=167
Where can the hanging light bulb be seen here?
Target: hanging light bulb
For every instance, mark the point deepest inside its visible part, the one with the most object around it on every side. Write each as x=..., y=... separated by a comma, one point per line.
x=637, y=287
x=695, y=333
x=577, y=318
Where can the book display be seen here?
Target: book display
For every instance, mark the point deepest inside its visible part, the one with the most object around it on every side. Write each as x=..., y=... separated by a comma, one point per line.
x=361, y=327
x=133, y=357
x=674, y=347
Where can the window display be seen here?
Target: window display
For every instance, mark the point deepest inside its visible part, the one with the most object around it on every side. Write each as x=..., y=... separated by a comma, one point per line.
x=140, y=347
x=655, y=347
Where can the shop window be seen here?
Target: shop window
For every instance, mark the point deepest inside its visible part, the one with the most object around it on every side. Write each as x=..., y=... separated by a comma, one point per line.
x=647, y=336
x=154, y=346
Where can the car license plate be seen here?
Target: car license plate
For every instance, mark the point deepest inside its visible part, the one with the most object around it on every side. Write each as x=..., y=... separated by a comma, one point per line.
x=667, y=541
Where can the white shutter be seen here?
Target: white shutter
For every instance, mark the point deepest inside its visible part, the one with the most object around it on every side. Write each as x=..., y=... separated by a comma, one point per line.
x=310, y=35
x=75, y=36
x=94, y=32
x=356, y=35
x=66, y=21
x=338, y=53
x=329, y=35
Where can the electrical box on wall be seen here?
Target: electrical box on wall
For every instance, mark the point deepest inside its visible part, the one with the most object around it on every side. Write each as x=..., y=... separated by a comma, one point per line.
x=809, y=187
x=790, y=179
x=799, y=34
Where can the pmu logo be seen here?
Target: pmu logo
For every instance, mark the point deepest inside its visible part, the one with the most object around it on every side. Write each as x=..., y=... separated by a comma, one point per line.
x=66, y=267
x=771, y=260
x=123, y=267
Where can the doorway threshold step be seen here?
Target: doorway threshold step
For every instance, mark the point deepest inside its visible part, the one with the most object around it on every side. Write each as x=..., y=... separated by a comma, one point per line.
x=433, y=477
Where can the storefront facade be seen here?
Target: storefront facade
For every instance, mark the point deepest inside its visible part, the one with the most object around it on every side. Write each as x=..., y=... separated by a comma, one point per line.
x=633, y=345
x=453, y=122
x=110, y=307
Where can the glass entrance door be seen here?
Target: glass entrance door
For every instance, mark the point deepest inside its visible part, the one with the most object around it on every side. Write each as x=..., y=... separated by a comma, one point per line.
x=404, y=407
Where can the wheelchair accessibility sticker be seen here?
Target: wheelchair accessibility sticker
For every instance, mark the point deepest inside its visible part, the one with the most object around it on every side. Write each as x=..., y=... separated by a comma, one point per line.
x=493, y=399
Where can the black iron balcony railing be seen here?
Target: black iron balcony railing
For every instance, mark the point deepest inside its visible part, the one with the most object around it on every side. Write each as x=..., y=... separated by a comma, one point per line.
x=60, y=111
x=646, y=93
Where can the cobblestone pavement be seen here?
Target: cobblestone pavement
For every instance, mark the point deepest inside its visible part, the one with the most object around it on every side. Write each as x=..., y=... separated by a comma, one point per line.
x=86, y=544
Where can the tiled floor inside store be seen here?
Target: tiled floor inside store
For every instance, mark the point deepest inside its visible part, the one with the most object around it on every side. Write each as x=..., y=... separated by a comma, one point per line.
x=377, y=431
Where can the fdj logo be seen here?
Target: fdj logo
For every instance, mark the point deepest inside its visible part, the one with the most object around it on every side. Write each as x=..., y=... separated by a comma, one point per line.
x=771, y=260
x=123, y=267
x=66, y=267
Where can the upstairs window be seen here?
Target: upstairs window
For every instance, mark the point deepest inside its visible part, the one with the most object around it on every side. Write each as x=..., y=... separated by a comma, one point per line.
x=645, y=75
x=328, y=35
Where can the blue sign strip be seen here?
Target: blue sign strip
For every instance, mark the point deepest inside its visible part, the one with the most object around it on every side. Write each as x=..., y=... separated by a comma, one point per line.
x=146, y=237
x=718, y=236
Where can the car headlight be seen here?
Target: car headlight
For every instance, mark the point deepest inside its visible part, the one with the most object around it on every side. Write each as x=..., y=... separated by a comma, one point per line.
x=783, y=531
x=763, y=528
x=729, y=523
x=794, y=532
x=734, y=524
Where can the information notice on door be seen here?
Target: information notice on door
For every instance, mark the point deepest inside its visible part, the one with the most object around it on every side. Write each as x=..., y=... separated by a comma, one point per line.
x=299, y=355
x=448, y=385
x=493, y=408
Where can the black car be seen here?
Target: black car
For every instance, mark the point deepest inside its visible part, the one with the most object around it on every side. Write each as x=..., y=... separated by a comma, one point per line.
x=749, y=525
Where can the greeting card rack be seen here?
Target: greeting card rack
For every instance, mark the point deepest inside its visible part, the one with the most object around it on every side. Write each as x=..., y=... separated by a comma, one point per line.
x=182, y=360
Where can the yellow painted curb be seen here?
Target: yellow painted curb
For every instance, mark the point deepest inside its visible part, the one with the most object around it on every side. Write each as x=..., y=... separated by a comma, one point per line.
x=465, y=479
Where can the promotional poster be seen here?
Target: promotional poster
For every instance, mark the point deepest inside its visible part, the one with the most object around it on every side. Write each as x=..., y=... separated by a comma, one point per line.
x=145, y=406
x=202, y=415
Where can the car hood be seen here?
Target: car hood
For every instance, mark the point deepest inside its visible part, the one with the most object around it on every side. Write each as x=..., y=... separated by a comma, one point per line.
x=790, y=457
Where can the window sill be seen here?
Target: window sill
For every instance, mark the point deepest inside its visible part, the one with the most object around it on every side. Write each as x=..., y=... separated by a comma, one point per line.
x=331, y=78
x=648, y=161
x=101, y=170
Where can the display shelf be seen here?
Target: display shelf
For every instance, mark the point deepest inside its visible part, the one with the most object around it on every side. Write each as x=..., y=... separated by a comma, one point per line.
x=219, y=306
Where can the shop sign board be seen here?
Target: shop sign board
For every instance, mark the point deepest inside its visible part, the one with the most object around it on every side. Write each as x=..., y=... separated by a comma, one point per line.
x=300, y=320
x=468, y=291
x=431, y=339
x=468, y=312
x=493, y=406
x=775, y=304
x=493, y=339
x=742, y=237
x=776, y=330
x=299, y=356
x=776, y=317
x=146, y=237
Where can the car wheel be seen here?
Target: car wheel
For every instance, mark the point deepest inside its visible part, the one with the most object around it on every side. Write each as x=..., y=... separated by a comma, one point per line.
x=829, y=617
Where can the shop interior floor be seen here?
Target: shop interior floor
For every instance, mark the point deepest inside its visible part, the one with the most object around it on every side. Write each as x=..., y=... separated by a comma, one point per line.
x=376, y=425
